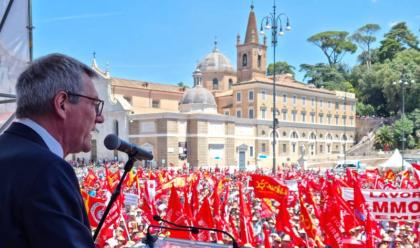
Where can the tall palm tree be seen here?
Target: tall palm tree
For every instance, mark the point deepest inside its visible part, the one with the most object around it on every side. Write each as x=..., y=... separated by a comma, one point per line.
x=384, y=137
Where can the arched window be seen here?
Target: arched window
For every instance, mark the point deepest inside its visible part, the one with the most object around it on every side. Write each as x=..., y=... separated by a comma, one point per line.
x=259, y=61
x=244, y=60
x=312, y=136
x=215, y=84
x=294, y=135
x=230, y=83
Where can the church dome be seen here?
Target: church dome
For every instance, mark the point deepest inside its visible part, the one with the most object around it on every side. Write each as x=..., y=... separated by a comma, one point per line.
x=215, y=61
x=198, y=99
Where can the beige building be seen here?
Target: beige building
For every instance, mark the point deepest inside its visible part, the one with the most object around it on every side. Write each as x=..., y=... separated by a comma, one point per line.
x=226, y=118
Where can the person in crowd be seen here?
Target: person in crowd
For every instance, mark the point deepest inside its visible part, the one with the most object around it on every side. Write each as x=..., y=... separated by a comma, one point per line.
x=57, y=108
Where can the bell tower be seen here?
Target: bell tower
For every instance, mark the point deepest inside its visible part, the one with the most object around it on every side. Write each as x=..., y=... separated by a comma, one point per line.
x=251, y=56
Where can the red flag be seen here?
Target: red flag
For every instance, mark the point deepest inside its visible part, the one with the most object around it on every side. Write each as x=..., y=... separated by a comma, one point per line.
x=205, y=219
x=174, y=214
x=233, y=229
x=245, y=231
x=306, y=222
x=370, y=241
x=111, y=219
x=267, y=209
x=90, y=179
x=268, y=187
x=390, y=175
x=283, y=224
x=310, y=199
x=416, y=172
x=187, y=209
x=266, y=232
x=130, y=179
x=330, y=220
x=112, y=179
x=95, y=208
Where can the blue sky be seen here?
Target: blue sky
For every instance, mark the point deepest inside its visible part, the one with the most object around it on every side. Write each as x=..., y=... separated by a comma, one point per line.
x=162, y=40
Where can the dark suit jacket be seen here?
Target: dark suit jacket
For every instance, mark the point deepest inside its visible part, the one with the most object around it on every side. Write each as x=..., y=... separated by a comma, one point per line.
x=40, y=201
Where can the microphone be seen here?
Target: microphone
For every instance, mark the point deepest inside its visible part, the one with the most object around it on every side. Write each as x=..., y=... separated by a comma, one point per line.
x=195, y=229
x=112, y=142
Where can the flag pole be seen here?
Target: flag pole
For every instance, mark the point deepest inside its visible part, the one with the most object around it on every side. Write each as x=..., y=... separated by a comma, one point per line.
x=30, y=28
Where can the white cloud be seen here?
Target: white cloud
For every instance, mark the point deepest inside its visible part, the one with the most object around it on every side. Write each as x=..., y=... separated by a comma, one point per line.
x=391, y=24
x=85, y=16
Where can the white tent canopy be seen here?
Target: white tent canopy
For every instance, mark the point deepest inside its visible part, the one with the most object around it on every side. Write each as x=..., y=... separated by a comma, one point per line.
x=395, y=162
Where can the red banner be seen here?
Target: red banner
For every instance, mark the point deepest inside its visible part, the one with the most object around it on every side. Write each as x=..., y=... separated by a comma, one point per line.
x=268, y=187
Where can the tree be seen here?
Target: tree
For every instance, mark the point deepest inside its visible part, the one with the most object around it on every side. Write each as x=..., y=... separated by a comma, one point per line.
x=334, y=44
x=384, y=137
x=320, y=73
x=396, y=40
x=182, y=84
x=403, y=128
x=406, y=67
x=282, y=67
x=330, y=77
x=364, y=38
x=364, y=109
x=415, y=118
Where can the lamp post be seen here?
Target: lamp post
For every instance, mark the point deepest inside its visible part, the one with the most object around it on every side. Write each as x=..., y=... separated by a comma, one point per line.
x=273, y=22
x=403, y=82
x=345, y=127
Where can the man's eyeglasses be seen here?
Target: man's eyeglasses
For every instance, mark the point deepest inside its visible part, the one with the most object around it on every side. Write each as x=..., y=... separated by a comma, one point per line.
x=99, y=104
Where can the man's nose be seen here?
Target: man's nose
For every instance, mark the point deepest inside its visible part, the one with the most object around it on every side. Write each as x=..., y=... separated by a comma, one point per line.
x=100, y=119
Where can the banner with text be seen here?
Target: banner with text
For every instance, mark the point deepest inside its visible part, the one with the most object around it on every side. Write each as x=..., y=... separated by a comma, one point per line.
x=398, y=204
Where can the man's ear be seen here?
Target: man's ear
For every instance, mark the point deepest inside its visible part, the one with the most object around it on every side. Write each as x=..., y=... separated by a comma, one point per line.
x=60, y=104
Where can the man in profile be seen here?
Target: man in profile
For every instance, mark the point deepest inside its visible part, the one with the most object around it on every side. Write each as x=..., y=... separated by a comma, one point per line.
x=40, y=202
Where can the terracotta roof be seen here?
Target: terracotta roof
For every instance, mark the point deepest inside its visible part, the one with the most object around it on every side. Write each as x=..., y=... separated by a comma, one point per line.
x=224, y=93
x=139, y=84
x=286, y=80
x=251, y=29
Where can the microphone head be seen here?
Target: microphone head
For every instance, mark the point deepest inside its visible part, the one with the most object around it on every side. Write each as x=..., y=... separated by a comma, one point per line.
x=194, y=230
x=112, y=142
x=157, y=218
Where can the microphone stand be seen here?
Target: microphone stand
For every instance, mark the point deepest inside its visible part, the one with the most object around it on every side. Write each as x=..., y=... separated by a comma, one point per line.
x=127, y=167
x=150, y=240
x=195, y=229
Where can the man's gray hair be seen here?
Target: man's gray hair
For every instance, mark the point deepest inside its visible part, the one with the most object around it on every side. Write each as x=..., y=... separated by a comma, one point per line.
x=44, y=78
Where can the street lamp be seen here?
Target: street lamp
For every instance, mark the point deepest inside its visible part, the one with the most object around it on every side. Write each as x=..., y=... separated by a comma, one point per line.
x=273, y=22
x=345, y=127
x=403, y=82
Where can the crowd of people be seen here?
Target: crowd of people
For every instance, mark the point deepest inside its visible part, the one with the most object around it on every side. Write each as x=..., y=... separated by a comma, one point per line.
x=217, y=198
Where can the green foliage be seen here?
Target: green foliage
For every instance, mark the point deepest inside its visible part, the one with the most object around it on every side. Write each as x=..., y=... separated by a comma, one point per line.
x=364, y=109
x=281, y=68
x=415, y=118
x=384, y=137
x=397, y=58
x=396, y=40
x=376, y=86
x=182, y=84
x=404, y=128
x=364, y=37
x=334, y=45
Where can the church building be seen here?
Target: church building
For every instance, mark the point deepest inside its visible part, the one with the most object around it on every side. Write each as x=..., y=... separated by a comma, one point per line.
x=225, y=119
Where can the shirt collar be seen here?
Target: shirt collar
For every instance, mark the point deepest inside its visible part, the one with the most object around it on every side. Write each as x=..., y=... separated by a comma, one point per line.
x=51, y=142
